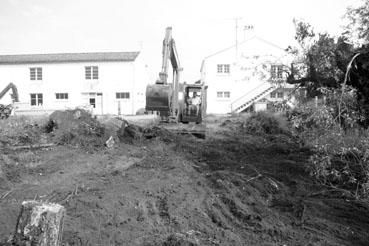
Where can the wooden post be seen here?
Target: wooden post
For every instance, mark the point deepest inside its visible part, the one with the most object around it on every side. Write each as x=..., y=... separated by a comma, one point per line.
x=39, y=224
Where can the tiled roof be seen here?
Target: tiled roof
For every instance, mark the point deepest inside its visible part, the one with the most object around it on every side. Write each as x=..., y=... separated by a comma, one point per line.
x=68, y=57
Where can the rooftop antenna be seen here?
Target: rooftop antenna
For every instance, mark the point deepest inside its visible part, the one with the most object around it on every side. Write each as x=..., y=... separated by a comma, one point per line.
x=236, y=20
x=246, y=29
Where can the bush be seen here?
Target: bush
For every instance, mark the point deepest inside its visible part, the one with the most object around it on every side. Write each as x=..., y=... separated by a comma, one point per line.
x=78, y=128
x=261, y=123
x=341, y=156
x=21, y=130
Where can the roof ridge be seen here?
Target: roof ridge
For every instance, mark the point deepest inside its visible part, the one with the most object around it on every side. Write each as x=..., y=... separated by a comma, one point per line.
x=71, y=53
x=243, y=42
x=69, y=57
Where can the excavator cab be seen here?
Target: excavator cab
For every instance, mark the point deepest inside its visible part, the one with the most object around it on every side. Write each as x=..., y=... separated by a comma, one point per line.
x=194, y=104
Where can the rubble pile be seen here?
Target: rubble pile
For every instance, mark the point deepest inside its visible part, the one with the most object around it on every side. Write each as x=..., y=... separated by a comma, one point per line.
x=130, y=132
x=76, y=127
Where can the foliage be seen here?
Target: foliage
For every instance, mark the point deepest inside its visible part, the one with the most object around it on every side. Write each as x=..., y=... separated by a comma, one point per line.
x=357, y=28
x=77, y=127
x=358, y=77
x=324, y=62
x=317, y=59
x=261, y=123
x=21, y=130
x=341, y=156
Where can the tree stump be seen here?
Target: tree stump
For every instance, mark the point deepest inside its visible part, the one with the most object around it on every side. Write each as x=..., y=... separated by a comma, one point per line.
x=39, y=224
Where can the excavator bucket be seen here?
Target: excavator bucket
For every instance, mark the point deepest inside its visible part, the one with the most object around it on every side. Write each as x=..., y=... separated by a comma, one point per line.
x=158, y=98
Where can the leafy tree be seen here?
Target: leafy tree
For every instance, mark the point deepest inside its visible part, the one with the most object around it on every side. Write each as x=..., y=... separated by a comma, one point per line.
x=318, y=59
x=322, y=62
x=357, y=28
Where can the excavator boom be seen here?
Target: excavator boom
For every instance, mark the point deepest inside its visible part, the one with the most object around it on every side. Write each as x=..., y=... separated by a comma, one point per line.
x=14, y=91
x=163, y=96
x=5, y=110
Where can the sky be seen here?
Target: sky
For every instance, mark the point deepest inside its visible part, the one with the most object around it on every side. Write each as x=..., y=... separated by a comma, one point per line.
x=200, y=27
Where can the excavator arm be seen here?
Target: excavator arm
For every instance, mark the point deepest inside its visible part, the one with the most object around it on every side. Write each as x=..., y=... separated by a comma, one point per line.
x=169, y=53
x=5, y=111
x=14, y=89
x=163, y=96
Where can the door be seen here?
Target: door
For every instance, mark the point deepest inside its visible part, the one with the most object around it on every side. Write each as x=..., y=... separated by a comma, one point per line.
x=95, y=100
x=99, y=104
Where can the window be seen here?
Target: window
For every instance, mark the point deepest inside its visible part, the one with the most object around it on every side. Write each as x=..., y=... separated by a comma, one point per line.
x=35, y=73
x=223, y=94
x=280, y=94
x=272, y=95
x=223, y=68
x=92, y=72
x=122, y=95
x=276, y=71
x=61, y=96
x=93, y=102
x=226, y=68
x=36, y=99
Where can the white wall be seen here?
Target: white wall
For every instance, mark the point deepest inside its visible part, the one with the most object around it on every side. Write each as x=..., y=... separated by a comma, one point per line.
x=70, y=78
x=248, y=70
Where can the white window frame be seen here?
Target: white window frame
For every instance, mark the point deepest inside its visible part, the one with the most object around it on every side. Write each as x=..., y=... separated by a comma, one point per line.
x=91, y=72
x=39, y=99
x=61, y=96
x=223, y=68
x=124, y=95
x=276, y=71
x=226, y=68
x=35, y=73
x=223, y=94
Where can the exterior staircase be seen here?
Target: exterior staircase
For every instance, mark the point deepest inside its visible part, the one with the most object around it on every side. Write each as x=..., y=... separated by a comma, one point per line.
x=251, y=97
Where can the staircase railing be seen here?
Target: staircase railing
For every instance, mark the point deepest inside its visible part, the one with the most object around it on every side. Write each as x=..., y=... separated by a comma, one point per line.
x=249, y=95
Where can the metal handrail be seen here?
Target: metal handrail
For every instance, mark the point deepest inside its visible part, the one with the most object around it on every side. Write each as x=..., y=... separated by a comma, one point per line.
x=247, y=93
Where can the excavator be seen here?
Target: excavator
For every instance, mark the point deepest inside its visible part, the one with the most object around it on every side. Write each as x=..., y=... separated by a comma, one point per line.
x=5, y=110
x=181, y=106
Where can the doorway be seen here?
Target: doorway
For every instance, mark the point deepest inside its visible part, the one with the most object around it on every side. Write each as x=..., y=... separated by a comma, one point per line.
x=95, y=100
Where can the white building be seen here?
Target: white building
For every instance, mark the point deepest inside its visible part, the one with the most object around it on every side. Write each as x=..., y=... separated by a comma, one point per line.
x=248, y=75
x=107, y=82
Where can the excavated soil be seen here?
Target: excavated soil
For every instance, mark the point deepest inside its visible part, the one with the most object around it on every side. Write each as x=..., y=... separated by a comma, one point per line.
x=230, y=189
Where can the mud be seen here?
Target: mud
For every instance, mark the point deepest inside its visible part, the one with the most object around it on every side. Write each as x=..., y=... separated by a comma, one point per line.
x=229, y=189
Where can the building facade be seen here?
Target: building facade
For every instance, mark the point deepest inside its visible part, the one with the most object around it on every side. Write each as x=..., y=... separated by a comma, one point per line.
x=249, y=75
x=106, y=83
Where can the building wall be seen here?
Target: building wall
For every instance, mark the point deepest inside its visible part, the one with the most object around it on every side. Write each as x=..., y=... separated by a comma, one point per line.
x=249, y=70
x=70, y=78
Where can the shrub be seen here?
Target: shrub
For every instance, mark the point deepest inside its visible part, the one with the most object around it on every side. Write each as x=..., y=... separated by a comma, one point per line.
x=261, y=123
x=78, y=128
x=21, y=130
x=340, y=145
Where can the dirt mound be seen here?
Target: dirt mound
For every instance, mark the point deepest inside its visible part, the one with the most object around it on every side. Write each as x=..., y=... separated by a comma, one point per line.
x=77, y=127
x=233, y=189
x=261, y=123
x=128, y=133
x=21, y=131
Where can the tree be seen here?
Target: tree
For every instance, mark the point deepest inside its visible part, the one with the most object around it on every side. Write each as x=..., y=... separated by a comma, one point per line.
x=357, y=28
x=322, y=62
x=318, y=59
